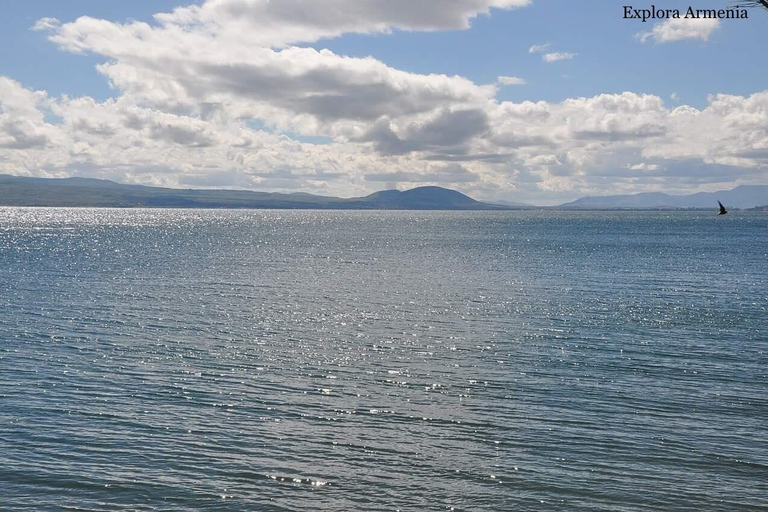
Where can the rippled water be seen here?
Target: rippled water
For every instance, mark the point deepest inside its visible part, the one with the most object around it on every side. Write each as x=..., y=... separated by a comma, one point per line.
x=301, y=360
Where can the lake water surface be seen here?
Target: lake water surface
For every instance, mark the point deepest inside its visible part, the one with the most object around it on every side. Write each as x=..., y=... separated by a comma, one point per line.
x=187, y=360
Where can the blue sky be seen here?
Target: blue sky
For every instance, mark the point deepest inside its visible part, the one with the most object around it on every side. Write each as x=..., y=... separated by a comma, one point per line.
x=416, y=143
x=610, y=57
x=28, y=56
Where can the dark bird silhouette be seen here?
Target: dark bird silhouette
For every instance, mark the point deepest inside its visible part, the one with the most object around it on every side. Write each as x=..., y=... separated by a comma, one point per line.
x=723, y=211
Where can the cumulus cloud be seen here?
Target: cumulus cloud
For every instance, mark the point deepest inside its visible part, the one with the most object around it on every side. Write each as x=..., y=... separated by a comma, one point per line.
x=626, y=116
x=190, y=63
x=22, y=124
x=20, y=135
x=556, y=56
x=275, y=24
x=271, y=24
x=676, y=29
x=731, y=130
x=448, y=131
x=448, y=173
x=216, y=95
x=539, y=148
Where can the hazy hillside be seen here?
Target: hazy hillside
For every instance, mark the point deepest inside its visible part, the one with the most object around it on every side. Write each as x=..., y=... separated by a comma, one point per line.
x=745, y=196
x=22, y=191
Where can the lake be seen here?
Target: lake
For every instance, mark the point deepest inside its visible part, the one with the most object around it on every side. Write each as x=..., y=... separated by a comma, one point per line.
x=366, y=360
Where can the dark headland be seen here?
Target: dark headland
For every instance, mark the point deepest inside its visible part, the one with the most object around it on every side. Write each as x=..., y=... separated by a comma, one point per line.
x=87, y=192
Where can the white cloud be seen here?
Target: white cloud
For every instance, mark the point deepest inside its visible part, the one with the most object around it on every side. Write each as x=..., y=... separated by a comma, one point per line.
x=731, y=130
x=643, y=167
x=448, y=130
x=22, y=124
x=537, y=48
x=511, y=80
x=190, y=91
x=200, y=66
x=556, y=56
x=46, y=24
x=550, y=56
x=537, y=149
x=269, y=23
x=676, y=29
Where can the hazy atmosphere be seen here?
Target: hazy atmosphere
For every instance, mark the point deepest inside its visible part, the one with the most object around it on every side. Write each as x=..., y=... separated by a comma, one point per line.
x=518, y=100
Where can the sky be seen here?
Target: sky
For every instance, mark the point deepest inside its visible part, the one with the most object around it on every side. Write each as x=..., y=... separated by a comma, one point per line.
x=536, y=101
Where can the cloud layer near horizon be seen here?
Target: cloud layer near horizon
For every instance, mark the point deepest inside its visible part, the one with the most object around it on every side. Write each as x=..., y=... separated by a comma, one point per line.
x=217, y=95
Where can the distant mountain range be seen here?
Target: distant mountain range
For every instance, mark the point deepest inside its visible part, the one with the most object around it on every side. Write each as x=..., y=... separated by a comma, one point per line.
x=745, y=196
x=86, y=192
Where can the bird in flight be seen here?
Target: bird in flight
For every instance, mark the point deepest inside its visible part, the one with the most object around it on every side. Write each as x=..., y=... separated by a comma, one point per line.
x=723, y=211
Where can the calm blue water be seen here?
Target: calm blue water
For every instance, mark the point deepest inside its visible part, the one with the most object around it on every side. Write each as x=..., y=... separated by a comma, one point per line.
x=332, y=361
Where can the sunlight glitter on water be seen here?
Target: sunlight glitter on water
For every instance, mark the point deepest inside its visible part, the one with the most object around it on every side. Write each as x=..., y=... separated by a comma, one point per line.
x=382, y=360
